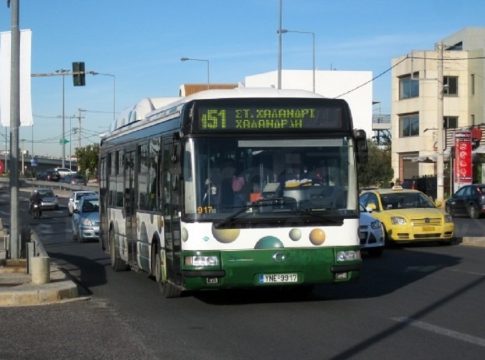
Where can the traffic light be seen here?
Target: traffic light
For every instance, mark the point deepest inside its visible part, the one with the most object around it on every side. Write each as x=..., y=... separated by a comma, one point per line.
x=78, y=73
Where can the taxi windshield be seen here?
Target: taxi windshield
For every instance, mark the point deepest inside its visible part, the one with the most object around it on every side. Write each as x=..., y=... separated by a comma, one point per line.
x=405, y=200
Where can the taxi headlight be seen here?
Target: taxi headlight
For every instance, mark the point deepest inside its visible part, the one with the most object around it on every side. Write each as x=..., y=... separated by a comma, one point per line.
x=202, y=260
x=398, y=220
x=347, y=255
x=448, y=218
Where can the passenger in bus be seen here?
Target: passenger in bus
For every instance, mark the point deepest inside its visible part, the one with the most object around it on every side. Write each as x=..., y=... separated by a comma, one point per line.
x=238, y=187
x=226, y=200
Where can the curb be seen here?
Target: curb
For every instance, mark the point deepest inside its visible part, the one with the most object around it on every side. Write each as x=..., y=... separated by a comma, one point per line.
x=473, y=241
x=27, y=294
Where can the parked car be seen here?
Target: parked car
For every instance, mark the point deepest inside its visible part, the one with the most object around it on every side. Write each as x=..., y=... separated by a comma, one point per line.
x=469, y=200
x=64, y=171
x=74, y=179
x=371, y=233
x=49, y=200
x=73, y=202
x=48, y=175
x=408, y=216
x=85, y=220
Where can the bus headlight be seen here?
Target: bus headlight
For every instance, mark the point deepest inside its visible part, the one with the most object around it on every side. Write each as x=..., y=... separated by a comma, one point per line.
x=202, y=260
x=347, y=255
x=448, y=218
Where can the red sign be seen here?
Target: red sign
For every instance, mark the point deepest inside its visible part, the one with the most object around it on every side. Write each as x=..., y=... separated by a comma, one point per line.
x=463, y=158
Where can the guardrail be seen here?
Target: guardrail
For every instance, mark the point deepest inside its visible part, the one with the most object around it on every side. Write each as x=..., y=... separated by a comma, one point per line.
x=52, y=184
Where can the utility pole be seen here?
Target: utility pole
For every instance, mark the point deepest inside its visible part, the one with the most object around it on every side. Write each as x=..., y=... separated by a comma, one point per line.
x=80, y=117
x=14, y=129
x=439, y=112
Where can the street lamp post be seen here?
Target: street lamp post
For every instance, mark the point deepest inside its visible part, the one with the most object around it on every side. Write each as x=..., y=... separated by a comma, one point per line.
x=284, y=31
x=63, y=73
x=208, y=67
x=440, y=142
x=14, y=129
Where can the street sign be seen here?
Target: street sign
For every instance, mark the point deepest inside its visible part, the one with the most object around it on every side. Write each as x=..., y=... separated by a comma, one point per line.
x=63, y=141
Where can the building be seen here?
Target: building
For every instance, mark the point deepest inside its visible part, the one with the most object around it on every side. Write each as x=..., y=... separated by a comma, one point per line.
x=353, y=86
x=189, y=89
x=416, y=102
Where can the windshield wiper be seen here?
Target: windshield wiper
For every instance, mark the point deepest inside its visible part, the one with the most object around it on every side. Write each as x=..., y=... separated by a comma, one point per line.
x=279, y=203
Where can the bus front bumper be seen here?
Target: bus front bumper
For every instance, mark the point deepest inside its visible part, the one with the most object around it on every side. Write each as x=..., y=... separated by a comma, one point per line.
x=272, y=267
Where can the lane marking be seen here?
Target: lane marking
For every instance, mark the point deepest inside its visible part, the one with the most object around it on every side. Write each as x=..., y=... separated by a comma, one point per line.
x=467, y=272
x=475, y=340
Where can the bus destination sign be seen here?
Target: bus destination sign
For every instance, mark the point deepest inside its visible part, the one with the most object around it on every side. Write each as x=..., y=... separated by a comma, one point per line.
x=268, y=118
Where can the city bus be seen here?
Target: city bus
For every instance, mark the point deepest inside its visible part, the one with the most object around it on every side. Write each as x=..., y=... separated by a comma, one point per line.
x=238, y=188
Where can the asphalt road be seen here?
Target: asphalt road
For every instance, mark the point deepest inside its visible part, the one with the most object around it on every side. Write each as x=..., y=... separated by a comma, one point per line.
x=416, y=302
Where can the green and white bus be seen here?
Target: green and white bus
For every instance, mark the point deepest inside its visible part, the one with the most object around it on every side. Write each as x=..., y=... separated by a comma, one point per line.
x=234, y=188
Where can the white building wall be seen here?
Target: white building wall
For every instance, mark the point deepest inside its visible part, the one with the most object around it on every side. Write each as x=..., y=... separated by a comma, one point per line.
x=347, y=85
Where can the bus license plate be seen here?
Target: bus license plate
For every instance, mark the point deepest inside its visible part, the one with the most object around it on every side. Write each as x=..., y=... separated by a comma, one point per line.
x=428, y=228
x=278, y=278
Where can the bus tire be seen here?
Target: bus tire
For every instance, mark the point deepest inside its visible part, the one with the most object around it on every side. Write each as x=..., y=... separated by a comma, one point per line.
x=167, y=288
x=116, y=263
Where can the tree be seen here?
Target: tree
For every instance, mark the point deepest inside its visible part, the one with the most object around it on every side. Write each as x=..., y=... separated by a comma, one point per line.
x=87, y=160
x=378, y=170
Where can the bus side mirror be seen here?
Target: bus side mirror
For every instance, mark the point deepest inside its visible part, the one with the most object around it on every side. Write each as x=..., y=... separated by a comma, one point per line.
x=361, y=146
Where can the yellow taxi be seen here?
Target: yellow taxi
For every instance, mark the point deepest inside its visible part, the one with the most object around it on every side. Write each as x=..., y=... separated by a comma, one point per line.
x=408, y=215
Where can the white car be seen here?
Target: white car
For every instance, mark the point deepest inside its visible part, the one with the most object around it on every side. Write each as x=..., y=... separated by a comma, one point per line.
x=75, y=197
x=371, y=233
x=64, y=171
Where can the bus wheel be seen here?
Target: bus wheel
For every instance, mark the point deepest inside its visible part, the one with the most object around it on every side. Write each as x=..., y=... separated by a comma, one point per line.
x=116, y=263
x=168, y=289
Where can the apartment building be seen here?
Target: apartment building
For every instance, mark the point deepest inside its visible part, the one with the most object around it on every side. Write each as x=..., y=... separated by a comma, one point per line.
x=416, y=102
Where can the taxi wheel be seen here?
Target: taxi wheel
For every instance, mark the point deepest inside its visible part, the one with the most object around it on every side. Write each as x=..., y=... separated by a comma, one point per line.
x=388, y=243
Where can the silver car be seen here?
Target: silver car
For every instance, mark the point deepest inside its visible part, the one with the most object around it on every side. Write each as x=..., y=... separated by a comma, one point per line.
x=49, y=200
x=371, y=233
x=85, y=219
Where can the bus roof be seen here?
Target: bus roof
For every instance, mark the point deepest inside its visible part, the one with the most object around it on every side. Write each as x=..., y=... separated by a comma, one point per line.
x=236, y=93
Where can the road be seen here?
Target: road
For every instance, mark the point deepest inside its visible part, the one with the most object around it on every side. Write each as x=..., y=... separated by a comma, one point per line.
x=416, y=302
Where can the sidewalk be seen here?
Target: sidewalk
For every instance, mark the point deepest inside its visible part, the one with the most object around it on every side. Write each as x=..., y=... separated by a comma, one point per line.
x=17, y=289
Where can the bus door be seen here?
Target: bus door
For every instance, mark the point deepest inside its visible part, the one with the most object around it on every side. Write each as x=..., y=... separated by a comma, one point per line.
x=171, y=185
x=129, y=205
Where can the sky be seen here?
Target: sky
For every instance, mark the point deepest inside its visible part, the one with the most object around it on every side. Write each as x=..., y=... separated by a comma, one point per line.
x=138, y=46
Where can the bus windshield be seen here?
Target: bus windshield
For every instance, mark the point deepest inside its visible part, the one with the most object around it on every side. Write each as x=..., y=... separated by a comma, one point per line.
x=268, y=177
